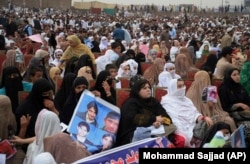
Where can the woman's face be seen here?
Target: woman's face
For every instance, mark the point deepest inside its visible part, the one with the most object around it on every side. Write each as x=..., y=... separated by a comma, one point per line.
x=180, y=84
x=145, y=91
x=57, y=75
x=235, y=76
x=126, y=70
x=80, y=88
x=88, y=70
x=226, y=133
x=206, y=47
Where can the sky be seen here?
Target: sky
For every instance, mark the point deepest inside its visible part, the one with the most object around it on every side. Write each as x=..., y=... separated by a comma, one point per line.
x=202, y=3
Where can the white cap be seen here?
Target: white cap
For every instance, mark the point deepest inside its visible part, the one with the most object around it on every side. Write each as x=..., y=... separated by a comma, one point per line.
x=229, y=29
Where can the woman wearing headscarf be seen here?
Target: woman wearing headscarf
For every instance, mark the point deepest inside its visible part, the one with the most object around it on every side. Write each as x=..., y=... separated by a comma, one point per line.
x=7, y=123
x=64, y=149
x=85, y=60
x=167, y=74
x=127, y=69
x=64, y=90
x=182, y=110
x=85, y=71
x=140, y=110
x=205, y=48
x=75, y=48
x=11, y=84
x=152, y=72
x=103, y=44
x=219, y=126
x=78, y=86
x=54, y=74
x=233, y=96
x=40, y=97
x=210, y=109
x=152, y=55
x=184, y=66
x=104, y=85
x=13, y=59
x=47, y=124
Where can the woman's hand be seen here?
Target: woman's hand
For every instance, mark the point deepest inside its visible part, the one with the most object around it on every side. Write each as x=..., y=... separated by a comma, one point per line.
x=96, y=93
x=25, y=121
x=209, y=121
x=106, y=86
x=20, y=141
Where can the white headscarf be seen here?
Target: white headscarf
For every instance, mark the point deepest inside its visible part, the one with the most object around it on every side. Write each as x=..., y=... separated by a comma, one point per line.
x=103, y=43
x=181, y=110
x=133, y=66
x=47, y=124
x=103, y=60
x=204, y=44
x=123, y=73
x=165, y=76
x=44, y=158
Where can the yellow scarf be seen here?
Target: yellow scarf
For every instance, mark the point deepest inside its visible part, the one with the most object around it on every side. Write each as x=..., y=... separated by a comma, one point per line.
x=78, y=50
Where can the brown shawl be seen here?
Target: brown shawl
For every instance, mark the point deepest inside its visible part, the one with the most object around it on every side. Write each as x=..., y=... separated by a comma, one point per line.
x=202, y=80
x=151, y=74
x=6, y=117
x=64, y=149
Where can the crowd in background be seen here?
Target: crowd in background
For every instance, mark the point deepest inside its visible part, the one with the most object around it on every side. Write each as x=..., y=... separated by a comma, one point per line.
x=81, y=48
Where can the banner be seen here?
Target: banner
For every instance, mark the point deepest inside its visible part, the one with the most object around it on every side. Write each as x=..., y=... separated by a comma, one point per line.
x=94, y=123
x=126, y=154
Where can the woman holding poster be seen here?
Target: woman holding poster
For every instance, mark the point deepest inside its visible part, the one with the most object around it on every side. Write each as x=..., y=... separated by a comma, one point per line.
x=141, y=110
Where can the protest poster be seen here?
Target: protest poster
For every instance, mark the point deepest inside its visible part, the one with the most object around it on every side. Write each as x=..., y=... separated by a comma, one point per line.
x=94, y=123
x=126, y=154
x=238, y=138
x=210, y=94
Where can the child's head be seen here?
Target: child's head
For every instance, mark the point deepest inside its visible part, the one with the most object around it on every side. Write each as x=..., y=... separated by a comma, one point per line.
x=35, y=73
x=112, y=69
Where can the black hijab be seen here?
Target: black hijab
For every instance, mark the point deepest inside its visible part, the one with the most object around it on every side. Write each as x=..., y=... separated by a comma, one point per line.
x=12, y=85
x=228, y=82
x=33, y=104
x=72, y=100
x=102, y=76
x=64, y=91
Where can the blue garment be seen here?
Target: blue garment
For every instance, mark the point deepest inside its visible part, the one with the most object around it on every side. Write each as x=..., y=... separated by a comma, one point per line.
x=26, y=87
x=88, y=43
x=119, y=34
x=141, y=133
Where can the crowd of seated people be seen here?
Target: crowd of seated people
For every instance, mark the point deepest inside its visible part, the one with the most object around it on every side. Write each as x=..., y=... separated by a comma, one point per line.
x=71, y=59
